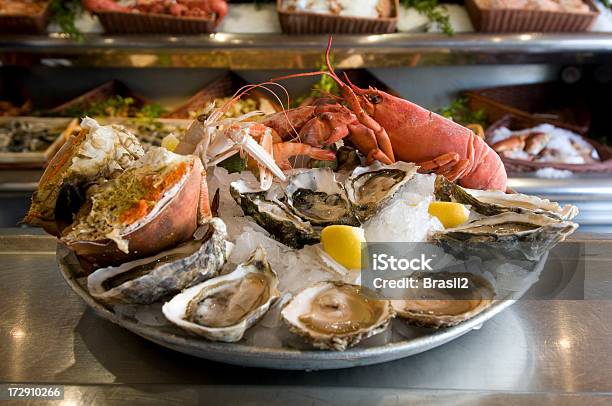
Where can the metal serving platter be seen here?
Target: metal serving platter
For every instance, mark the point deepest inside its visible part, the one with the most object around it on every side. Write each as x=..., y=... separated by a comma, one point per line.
x=282, y=358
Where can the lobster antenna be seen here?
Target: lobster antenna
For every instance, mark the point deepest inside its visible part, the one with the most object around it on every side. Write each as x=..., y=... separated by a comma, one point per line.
x=355, y=88
x=330, y=68
x=246, y=88
x=300, y=75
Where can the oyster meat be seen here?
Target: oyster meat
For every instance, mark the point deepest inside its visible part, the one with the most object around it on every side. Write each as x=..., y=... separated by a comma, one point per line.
x=315, y=196
x=492, y=202
x=147, y=280
x=523, y=234
x=441, y=307
x=270, y=212
x=223, y=308
x=336, y=315
x=368, y=188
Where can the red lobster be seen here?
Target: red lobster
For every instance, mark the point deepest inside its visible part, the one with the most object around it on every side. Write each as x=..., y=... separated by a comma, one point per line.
x=385, y=128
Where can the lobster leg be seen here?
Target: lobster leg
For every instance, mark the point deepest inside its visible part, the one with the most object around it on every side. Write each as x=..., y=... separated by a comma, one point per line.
x=382, y=138
x=441, y=163
x=457, y=171
x=449, y=165
x=365, y=141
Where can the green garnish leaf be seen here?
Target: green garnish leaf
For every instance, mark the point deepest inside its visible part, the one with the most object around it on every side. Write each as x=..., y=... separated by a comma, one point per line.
x=436, y=14
x=459, y=111
x=64, y=13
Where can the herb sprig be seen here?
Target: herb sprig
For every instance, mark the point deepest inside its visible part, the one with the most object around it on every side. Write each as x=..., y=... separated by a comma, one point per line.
x=116, y=106
x=436, y=14
x=459, y=111
x=64, y=14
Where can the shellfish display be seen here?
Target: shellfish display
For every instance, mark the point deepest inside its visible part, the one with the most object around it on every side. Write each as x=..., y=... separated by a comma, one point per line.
x=267, y=257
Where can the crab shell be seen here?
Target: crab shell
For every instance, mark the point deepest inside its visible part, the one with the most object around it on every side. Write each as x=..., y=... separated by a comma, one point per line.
x=174, y=224
x=53, y=175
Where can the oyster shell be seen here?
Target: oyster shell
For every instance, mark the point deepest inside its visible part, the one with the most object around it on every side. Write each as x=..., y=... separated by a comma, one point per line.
x=336, y=315
x=315, y=196
x=492, y=202
x=445, y=307
x=370, y=187
x=524, y=234
x=147, y=280
x=268, y=210
x=223, y=308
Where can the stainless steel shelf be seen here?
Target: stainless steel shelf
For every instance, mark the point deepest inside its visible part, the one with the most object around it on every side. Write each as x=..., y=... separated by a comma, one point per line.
x=277, y=51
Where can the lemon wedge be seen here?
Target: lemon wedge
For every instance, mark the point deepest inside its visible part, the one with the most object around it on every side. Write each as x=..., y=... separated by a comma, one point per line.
x=170, y=142
x=343, y=244
x=450, y=214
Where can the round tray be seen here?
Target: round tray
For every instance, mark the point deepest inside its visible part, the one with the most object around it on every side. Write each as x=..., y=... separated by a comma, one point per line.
x=282, y=358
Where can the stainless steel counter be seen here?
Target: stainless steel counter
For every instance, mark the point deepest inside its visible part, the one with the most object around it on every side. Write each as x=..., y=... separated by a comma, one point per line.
x=534, y=352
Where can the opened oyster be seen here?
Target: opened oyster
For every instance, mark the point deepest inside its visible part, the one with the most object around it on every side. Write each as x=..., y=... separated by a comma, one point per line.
x=523, y=234
x=147, y=280
x=370, y=187
x=223, y=308
x=335, y=315
x=315, y=196
x=445, y=307
x=268, y=210
x=492, y=202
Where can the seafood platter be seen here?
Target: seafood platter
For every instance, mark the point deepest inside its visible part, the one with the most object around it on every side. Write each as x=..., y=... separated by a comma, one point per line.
x=262, y=267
